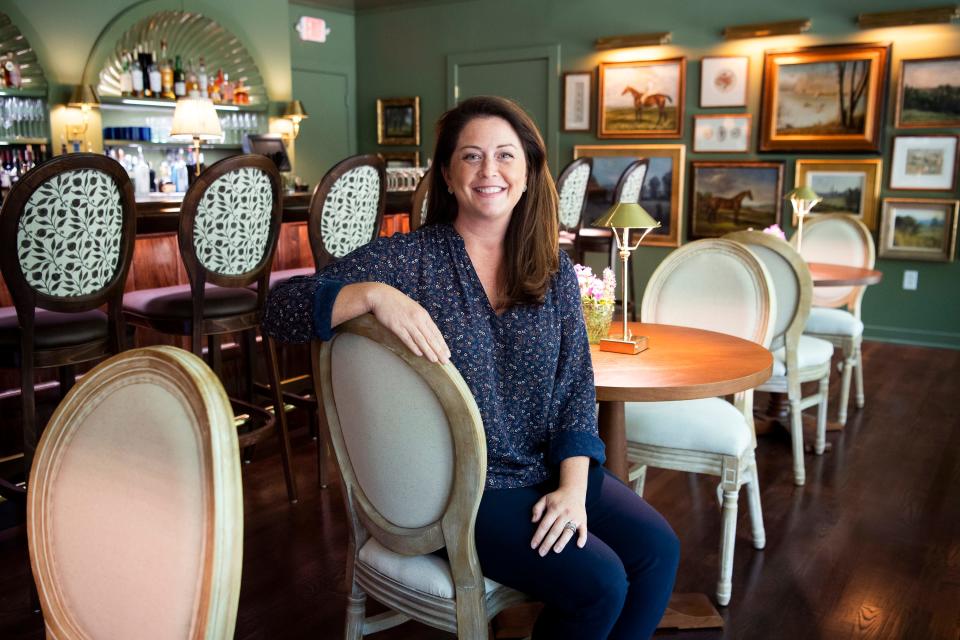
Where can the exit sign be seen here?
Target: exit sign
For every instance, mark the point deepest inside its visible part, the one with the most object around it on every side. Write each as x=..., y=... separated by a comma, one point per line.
x=312, y=29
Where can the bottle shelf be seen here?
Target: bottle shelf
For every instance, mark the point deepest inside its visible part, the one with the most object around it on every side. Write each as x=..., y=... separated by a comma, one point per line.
x=11, y=92
x=23, y=140
x=172, y=145
x=119, y=102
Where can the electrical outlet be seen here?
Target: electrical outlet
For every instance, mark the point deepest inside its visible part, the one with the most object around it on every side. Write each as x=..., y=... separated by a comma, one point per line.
x=910, y=280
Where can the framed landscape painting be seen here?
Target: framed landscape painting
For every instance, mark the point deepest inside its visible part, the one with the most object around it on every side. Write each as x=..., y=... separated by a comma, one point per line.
x=662, y=191
x=733, y=196
x=924, y=163
x=723, y=81
x=929, y=94
x=919, y=229
x=400, y=159
x=398, y=121
x=641, y=99
x=846, y=186
x=827, y=98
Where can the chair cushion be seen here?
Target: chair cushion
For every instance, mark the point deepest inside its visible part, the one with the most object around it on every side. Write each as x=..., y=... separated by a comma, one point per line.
x=833, y=322
x=595, y=232
x=276, y=277
x=54, y=330
x=176, y=302
x=427, y=574
x=810, y=353
x=567, y=238
x=712, y=425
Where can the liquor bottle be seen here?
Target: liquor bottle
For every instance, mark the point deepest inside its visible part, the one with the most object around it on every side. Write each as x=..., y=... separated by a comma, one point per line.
x=11, y=73
x=241, y=94
x=166, y=73
x=202, y=78
x=126, y=82
x=136, y=77
x=145, y=61
x=226, y=91
x=193, y=87
x=156, y=82
x=179, y=80
x=214, y=90
x=3, y=79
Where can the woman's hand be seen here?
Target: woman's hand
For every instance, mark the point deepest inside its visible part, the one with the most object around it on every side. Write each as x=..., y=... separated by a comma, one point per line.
x=565, y=505
x=397, y=312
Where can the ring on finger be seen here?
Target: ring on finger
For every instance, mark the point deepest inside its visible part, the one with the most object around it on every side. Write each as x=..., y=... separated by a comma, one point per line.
x=571, y=525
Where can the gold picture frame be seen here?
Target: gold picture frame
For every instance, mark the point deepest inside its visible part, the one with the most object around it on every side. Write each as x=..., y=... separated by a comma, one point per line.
x=934, y=84
x=400, y=159
x=928, y=229
x=847, y=186
x=823, y=98
x=398, y=121
x=641, y=99
x=665, y=204
x=734, y=195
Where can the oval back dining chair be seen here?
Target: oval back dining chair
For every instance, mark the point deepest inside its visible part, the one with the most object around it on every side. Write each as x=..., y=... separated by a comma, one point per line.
x=411, y=450
x=717, y=285
x=837, y=238
x=572, y=192
x=135, y=510
x=631, y=182
x=796, y=358
x=67, y=231
x=418, y=207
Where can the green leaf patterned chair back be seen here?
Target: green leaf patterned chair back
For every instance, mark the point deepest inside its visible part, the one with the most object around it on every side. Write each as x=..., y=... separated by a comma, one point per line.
x=572, y=191
x=67, y=230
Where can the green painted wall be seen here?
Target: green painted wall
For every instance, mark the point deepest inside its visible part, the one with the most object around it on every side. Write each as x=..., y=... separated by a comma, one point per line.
x=402, y=51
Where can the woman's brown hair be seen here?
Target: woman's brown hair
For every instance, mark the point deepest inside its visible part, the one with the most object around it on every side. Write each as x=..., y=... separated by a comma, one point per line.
x=531, y=253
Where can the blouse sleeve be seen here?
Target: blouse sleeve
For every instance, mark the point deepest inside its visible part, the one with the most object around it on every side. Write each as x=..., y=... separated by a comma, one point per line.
x=300, y=309
x=574, y=396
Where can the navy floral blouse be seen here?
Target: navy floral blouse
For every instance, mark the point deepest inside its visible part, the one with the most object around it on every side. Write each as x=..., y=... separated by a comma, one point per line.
x=529, y=368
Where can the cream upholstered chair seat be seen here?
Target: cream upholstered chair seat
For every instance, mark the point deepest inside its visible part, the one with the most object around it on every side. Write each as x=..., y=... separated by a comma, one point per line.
x=410, y=447
x=824, y=320
x=135, y=508
x=711, y=425
x=715, y=285
x=811, y=352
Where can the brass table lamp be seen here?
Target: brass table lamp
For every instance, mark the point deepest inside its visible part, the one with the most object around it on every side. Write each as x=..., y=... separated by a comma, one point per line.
x=803, y=200
x=196, y=119
x=626, y=216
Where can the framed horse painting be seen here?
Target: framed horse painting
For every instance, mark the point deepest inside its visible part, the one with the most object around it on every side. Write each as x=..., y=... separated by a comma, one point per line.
x=733, y=196
x=642, y=99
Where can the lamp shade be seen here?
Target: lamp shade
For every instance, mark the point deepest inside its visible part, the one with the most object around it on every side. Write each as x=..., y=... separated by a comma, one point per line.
x=83, y=95
x=803, y=193
x=295, y=111
x=195, y=118
x=627, y=215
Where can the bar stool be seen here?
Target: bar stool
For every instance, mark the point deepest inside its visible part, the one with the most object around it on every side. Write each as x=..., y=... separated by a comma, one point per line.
x=229, y=224
x=67, y=232
x=345, y=213
x=572, y=192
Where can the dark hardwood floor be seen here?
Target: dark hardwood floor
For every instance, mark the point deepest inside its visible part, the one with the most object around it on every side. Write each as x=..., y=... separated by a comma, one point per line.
x=869, y=548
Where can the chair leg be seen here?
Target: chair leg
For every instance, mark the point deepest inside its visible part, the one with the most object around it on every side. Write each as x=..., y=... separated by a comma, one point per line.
x=356, y=611
x=31, y=432
x=753, y=503
x=728, y=534
x=249, y=350
x=638, y=478
x=824, y=392
x=846, y=368
x=67, y=377
x=273, y=373
x=859, y=376
x=796, y=438
x=214, y=354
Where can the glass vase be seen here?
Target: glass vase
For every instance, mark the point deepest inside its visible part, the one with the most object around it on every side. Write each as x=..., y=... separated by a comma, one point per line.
x=597, y=317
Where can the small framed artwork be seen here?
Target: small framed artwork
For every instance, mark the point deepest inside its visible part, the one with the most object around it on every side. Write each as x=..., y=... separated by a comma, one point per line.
x=722, y=133
x=825, y=98
x=924, y=163
x=929, y=93
x=661, y=193
x=642, y=99
x=398, y=121
x=400, y=159
x=732, y=196
x=919, y=229
x=846, y=186
x=577, y=87
x=723, y=81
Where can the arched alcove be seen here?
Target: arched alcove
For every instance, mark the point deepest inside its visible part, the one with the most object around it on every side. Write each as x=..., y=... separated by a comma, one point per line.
x=13, y=42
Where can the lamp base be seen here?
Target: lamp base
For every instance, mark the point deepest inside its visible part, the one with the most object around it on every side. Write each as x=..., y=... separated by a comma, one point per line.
x=630, y=347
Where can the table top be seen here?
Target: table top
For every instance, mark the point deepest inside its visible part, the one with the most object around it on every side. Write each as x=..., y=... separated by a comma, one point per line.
x=680, y=363
x=839, y=275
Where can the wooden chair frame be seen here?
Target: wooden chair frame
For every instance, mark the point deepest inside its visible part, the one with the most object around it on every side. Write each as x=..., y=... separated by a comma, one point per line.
x=468, y=615
x=27, y=299
x=562, y=179
x=215, y=608
x=631, y=168
x=790, y=338
x=417, y=214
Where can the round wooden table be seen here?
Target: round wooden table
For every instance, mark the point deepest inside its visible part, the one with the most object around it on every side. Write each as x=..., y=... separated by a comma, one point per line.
x=680, y=363
x=839, y=275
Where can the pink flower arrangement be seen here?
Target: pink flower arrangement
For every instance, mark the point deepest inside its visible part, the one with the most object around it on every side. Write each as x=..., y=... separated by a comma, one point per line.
x=775, y=230
x=594, y=290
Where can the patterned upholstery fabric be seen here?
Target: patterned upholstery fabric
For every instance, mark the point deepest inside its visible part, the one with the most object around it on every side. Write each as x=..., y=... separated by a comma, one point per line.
x=233, y=222
x=571, y=195
x=350, y=211
x=631, y=188
x=423, y=208
x=69, y=234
